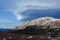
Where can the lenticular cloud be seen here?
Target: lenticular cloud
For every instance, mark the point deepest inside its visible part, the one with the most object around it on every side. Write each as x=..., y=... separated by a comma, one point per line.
x=37, y=5
x=19, y=6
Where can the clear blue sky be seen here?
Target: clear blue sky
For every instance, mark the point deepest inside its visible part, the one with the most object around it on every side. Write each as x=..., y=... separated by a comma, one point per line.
x=16, y=12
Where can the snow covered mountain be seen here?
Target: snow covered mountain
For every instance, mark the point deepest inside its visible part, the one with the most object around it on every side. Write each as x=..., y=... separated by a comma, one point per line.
x=44, y=22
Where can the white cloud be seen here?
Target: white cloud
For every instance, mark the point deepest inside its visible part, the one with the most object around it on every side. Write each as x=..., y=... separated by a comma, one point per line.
x=19, y=17
x=19, y=6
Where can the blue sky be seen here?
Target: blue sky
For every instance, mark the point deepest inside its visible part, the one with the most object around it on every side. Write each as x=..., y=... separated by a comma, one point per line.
x=16, y=12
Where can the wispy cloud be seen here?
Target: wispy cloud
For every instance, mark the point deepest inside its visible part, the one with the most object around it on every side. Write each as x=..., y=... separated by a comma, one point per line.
x=19, y=6
x=10, y=23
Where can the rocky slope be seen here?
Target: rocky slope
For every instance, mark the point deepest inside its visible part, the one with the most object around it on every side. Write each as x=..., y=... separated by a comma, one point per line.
x=44, y=22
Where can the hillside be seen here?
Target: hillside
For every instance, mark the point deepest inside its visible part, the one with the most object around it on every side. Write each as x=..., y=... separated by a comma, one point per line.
x=44, y=22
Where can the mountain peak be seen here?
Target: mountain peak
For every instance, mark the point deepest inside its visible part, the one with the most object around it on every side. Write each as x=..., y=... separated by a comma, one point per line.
x=43, y=22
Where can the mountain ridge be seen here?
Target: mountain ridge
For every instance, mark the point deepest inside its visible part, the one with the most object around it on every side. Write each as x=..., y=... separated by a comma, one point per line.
x=44, y=22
